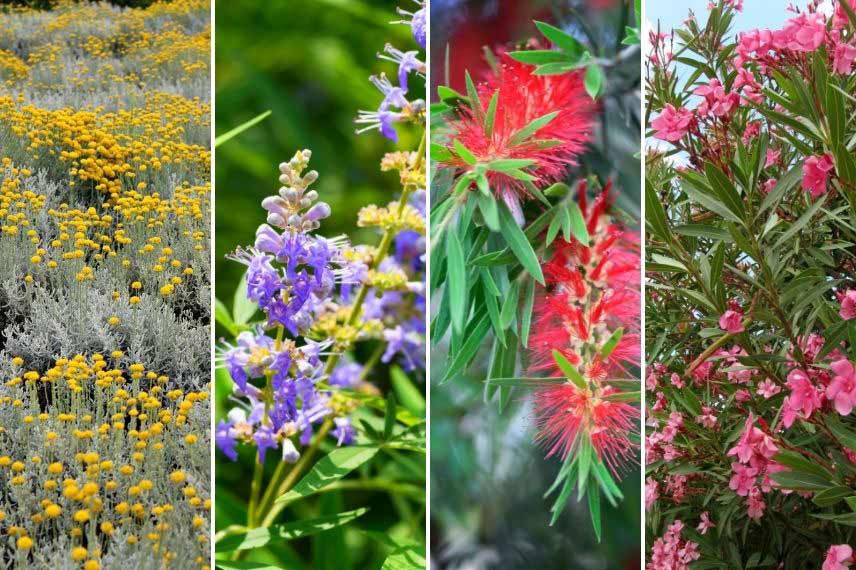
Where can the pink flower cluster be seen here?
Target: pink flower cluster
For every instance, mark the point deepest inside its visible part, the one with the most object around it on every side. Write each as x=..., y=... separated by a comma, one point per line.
x=731, y=320
x=671, y=552
x=754, y=451
x=816, y=173
x=716, y=101
x=673, y=124
x=848, y=304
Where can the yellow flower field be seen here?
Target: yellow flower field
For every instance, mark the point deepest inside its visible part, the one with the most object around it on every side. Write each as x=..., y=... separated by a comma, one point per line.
x=105, y=288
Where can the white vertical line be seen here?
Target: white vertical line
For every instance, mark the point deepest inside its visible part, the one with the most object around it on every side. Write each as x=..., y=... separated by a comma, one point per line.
x=428, y=75
x=211, y=241
x=641, y=19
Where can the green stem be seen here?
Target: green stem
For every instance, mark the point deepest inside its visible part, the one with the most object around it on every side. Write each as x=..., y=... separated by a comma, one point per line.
x=255, y=490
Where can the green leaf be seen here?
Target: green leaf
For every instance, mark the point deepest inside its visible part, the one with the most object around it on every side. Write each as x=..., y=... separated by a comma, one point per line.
x=578, y=224
x=439, y=153
x=799, y=463
x=409, y=557
x=409, y=395
x=489, y=211
x=538, y=56
x=243, y=308
x=475, y=101
x=799, y=481
x=259, y=537
x=531, y=128
x=329, y=469
x=456, y=279
x=474, y=335
x=222, y=316
x=560, y=39
x=449, y=95
x=594, y=80
x=240, y=129
x=464, y=152
x=526, y=312
x=569, y=370
x=244, y=565
x=724, y=190
x=655, y=214
x=557, y=190
x=840, y=431
x=509, y=305
x=594, y=510
x=525, y=381
x=389, y=417
x=509, y=164
x=831, y=496
x=611, y=343
x=519, y=244
x=490, y=116
x=801, y=222
x=553, y=68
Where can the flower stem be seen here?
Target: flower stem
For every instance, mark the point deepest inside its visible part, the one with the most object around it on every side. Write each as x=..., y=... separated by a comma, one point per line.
x=380, y=255
x=255, y=489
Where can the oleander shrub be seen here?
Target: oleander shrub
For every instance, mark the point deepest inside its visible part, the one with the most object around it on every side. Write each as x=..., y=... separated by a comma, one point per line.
x=750, y=338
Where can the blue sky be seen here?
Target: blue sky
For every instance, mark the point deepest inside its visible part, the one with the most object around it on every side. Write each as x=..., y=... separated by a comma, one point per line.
x=756, y=13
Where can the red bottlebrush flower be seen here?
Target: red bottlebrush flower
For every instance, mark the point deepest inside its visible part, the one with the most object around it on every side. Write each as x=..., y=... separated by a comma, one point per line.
x=564, y=412
x=590, y=292
x=524, y=97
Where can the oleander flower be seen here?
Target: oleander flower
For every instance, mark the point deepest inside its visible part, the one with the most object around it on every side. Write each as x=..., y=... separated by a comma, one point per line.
x=815, y=174
x=672, y=124
x=838, y=557
x=524, y=96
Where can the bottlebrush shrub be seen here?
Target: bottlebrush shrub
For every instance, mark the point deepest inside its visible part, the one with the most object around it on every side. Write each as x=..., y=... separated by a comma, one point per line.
x=550, y=275
x=314, y=321
x=104, y=291
x=750, y=337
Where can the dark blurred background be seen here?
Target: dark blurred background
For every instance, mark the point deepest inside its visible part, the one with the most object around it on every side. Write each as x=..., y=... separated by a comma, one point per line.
x=308, y=62
x=487, y=478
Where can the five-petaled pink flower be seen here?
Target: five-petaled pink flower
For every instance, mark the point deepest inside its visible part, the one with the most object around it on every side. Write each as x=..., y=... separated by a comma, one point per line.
x=842, y=58
x=842, y=389
x=838, y=557
x=768, y=389
x=705, y=524
x=815, y=173
x=672, y=124
x=848, y=305
x=731, y=321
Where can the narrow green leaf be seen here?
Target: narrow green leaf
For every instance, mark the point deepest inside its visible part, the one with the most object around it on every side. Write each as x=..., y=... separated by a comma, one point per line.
x=526, y=312
x=569, y=370
x=389, y=417
x=519, y=244
x=530, y=129
x=611, y=343
x=578, y=224
x=509, y=306
x=222, y=316
x=329, y=469
x=456, y=278
x=243, y=308
x=259, y=537
x=241, y=128
x=594, y=510
x=409, y=395
x=538, y=56
x=464, y=152
x=560, y=39
x=439, y=153
x=408, y=557
x=490, y=116
x=475, y=101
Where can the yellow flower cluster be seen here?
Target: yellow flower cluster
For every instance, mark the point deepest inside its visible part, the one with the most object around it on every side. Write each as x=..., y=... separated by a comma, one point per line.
x=125, y=465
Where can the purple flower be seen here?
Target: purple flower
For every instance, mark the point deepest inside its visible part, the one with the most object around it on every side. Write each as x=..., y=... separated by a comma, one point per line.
x=418, y=26
x=225, y=442
x=409, y=344
x=407, y=61
x=393, y=97
x=265, y=439
x=344, y=432
x=348, y=375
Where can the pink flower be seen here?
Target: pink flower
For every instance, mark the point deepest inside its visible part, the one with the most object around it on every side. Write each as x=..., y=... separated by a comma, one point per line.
x=672, y=124
x=802, y=34
x=651, y=492
x=843, y=56
x=676, y=381
x=751, y=131
x=716, y=101
x=754, y=446
x=842, y=389
x=705, y=524
x=815, y=173
x=838, y=557
x=772, y=157
x=755, y=504
x=803, y=399
x=768, y=389
x=707, y=417
x=769, y=185
x=848, y=305
x=743, y=479
x=731, y=321
x=670, y=552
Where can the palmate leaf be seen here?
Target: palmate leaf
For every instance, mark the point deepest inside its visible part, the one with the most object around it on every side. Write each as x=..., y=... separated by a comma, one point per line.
x=259, y=537
x=329, y=469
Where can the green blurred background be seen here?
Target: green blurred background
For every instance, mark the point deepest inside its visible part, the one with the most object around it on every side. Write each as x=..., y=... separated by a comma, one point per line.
x=308, y=62
x=487, y=477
